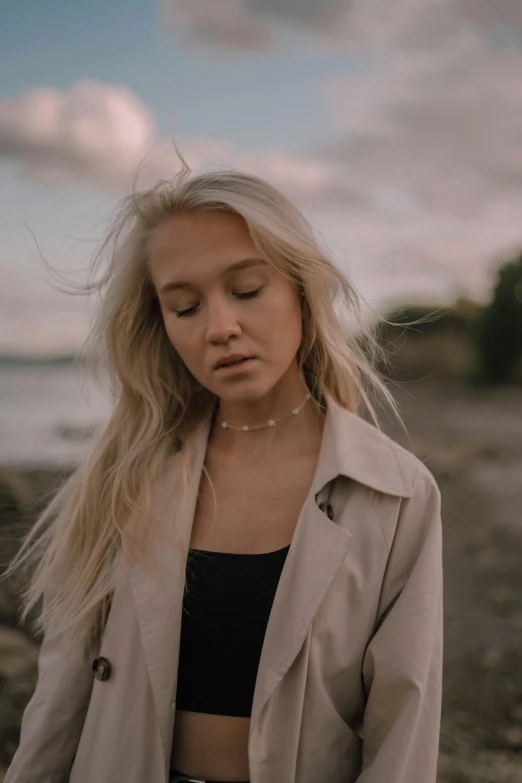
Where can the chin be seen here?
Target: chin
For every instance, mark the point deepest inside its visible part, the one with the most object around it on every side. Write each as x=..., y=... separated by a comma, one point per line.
x=243, y=392
x=239, y=395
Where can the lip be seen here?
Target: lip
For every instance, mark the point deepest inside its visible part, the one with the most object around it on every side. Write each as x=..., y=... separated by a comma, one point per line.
x=231, y=358
x=245, y=365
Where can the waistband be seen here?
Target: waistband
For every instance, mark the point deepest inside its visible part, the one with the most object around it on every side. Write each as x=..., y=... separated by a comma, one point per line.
x=179, y=777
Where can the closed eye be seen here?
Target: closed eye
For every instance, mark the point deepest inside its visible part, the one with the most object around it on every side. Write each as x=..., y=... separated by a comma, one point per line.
x=246, y=295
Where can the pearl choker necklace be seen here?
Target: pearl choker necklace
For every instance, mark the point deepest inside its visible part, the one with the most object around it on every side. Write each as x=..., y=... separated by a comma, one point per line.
x=270, y=423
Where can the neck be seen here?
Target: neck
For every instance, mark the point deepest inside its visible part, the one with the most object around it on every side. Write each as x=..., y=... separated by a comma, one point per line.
x=295, y=434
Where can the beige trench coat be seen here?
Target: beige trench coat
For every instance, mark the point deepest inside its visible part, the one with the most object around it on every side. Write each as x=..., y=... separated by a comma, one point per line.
x=349, y=682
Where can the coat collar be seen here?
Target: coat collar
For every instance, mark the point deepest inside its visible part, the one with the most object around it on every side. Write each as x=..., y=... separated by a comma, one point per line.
x=355, y=448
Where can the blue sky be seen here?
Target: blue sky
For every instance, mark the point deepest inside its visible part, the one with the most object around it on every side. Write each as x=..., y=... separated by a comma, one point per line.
x=59, y=44
x=356, y=119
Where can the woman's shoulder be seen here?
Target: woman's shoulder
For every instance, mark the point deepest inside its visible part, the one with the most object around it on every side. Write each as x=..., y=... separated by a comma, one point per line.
x=411, y=464
x=392, y=463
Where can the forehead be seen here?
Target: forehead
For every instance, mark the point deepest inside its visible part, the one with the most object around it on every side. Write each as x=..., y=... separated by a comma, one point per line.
x=189, y=238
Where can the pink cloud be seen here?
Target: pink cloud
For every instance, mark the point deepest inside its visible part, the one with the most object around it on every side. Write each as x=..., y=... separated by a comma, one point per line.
x=94, y=130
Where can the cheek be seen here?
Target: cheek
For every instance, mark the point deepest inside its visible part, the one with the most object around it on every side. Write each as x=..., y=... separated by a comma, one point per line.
x=180, y=338
x=283, y=304
x=282, y=321
x=189, y=353
x=168, y=324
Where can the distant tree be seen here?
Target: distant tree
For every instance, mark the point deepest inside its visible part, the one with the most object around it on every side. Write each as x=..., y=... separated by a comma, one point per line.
x=434, y=319
x=497, y=332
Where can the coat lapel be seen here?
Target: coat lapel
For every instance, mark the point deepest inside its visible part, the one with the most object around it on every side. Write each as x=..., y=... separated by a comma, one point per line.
x=350, y=447
x=318, y=548
x=159, y=609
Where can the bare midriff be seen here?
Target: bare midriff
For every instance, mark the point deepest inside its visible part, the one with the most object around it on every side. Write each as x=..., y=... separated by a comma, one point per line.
x=213, y=747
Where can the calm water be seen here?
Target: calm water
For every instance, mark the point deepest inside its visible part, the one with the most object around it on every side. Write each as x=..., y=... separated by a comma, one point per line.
x=46, y=412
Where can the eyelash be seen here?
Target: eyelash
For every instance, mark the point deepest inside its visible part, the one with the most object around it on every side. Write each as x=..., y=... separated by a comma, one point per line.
x=246, y=295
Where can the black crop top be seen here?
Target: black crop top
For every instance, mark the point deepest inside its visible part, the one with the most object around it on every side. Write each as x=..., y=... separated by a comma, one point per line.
x=225, y=615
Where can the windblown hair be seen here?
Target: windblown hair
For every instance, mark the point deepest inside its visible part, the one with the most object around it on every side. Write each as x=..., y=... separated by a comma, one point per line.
x=73, y=550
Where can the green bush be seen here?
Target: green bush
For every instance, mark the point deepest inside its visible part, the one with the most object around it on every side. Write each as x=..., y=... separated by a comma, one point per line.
x=497, y=331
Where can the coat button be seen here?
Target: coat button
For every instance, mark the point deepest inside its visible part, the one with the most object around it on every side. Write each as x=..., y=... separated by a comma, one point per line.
x=327, y=509
x=101, y=668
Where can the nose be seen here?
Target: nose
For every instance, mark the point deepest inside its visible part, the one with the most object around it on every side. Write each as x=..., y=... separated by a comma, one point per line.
x=221, y=320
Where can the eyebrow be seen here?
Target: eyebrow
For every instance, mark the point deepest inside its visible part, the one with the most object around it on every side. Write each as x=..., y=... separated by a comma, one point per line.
x=243, y=264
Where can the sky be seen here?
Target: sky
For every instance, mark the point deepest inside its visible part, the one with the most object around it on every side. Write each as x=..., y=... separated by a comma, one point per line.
x=395, y=127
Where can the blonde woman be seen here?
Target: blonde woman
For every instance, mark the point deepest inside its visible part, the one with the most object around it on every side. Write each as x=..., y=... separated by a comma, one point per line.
x=242, y=581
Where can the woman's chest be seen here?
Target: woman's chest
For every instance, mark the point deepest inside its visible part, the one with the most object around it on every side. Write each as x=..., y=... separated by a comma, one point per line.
x=250, y=510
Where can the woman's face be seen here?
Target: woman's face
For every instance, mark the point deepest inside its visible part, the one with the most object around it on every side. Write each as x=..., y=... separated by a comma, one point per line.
x=210, y=310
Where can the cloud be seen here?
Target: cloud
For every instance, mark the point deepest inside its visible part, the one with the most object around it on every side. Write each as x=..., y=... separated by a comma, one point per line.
x=441, y=122
x=94, y=131
x=243, y=25
x=248, y=25
x=226, y=24
x=101, y=134
x=429, y=116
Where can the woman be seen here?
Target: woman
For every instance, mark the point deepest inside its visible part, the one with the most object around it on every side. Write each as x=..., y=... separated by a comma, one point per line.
x=242, y=581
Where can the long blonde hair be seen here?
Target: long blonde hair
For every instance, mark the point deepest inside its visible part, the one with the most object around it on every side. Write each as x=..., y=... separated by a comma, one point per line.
x=73, y=548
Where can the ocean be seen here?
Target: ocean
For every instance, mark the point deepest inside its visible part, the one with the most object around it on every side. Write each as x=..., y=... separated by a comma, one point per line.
x=47, y=411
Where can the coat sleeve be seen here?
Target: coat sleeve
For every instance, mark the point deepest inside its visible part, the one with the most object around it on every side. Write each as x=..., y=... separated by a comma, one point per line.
x=402, y=665
x=54, y=716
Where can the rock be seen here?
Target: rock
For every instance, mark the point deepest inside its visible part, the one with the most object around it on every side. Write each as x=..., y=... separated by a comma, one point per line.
x=7, y=606
x=514, y=736
x=18, y=654
x=492, y=657
x=449, y=458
